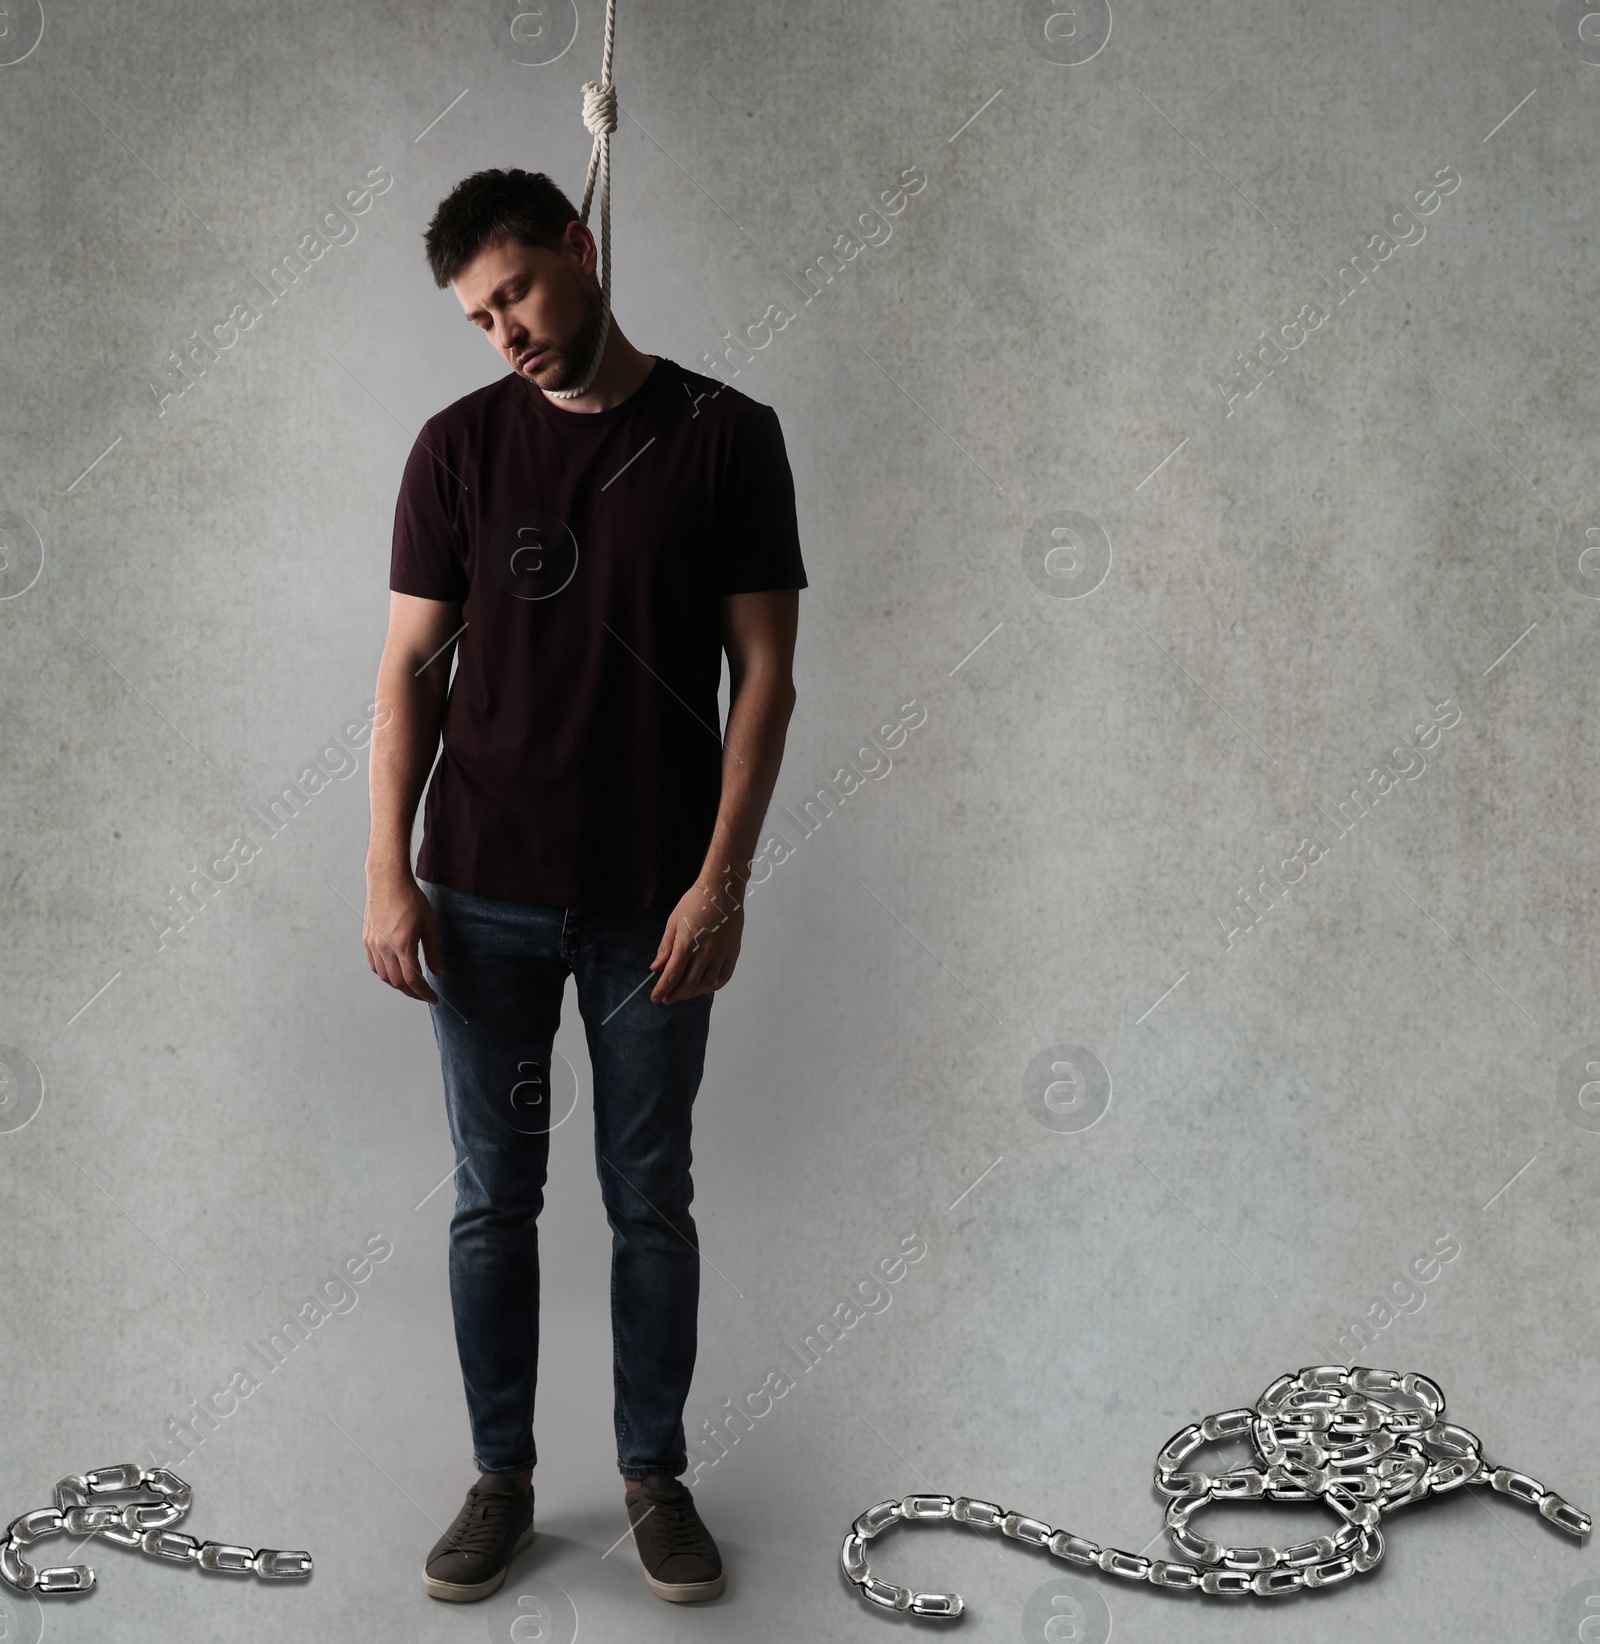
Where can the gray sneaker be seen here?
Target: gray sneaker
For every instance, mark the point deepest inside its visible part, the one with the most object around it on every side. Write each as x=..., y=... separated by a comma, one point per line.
x=681, y=1561
x=471, y=1558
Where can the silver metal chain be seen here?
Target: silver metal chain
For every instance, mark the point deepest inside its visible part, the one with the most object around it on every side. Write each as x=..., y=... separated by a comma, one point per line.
x=145, y=1523
x=1328, y=1433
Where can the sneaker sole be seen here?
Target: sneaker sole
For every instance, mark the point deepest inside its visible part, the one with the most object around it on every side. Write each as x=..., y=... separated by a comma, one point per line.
x=687, y=1592
x=463, y=1592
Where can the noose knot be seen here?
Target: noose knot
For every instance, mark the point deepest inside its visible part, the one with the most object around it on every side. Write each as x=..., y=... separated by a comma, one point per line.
x=599, y=107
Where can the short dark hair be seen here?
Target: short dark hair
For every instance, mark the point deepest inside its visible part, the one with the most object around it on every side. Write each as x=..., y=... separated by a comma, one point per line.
x=525, y=206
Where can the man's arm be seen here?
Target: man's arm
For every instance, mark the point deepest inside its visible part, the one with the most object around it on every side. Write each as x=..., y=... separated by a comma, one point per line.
x=758, y=633
x=413, y=679
x=701, y=942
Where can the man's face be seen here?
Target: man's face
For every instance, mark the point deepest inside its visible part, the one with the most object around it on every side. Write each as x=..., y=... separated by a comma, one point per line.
x=538, y=308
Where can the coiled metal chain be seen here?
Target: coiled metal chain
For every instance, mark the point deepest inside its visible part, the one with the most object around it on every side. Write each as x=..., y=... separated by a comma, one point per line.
x=145, y=1524
x=1329, y=1433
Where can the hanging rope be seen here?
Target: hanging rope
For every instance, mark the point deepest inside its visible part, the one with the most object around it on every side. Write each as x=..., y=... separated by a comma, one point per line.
x=600, y=116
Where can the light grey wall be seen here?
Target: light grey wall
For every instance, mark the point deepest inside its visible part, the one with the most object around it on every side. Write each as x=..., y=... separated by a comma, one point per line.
x=1031, y=374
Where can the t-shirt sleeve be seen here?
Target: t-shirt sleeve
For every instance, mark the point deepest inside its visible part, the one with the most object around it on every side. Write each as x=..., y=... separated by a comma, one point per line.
x=426, y=556
x=757, y=534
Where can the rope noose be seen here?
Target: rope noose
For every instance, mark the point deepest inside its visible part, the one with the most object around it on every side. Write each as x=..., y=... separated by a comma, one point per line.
x=600, y=116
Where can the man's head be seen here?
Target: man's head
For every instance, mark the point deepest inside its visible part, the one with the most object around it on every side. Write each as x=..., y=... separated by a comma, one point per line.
x=522, y=266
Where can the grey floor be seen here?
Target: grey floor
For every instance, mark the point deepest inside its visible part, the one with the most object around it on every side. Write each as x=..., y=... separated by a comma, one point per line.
x=1037, y=998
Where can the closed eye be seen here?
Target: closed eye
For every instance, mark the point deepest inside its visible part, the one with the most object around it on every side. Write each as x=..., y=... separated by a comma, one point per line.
x=512, y=293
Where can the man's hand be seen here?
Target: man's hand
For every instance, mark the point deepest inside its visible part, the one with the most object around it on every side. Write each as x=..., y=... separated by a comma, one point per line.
x=700, y=945
x=397, y=915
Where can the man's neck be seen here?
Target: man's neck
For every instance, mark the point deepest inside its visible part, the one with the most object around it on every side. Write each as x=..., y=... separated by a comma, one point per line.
x=622, y=371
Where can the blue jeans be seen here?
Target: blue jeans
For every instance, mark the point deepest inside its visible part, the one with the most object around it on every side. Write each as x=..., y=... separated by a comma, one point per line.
x=506, y=965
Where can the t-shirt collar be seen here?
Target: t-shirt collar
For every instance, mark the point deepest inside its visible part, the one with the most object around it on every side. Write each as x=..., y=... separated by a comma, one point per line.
x=556, y=412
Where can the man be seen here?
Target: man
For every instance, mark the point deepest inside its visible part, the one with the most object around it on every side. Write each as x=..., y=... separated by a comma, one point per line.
x=592, y=557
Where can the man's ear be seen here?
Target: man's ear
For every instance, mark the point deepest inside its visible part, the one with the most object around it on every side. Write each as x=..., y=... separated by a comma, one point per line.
x=580, y=242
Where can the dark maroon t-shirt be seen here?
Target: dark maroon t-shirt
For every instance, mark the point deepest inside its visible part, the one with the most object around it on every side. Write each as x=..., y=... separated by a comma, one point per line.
x=582, y=745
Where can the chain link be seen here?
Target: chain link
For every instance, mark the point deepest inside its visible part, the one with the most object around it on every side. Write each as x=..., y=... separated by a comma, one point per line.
x=145, y=1524
x=1331, y=1433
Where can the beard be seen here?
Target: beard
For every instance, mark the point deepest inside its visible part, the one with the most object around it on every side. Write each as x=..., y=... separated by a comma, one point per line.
x=567, y=361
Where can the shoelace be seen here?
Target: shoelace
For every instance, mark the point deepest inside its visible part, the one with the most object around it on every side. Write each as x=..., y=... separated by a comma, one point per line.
x=683, y=1533
x=677, y=1525
x=485, y=1521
